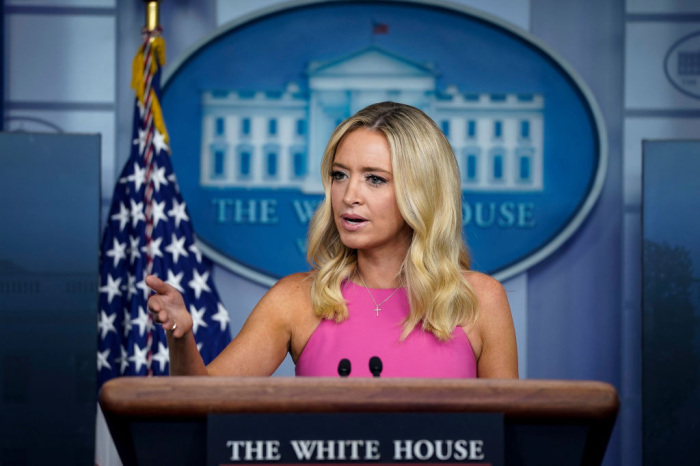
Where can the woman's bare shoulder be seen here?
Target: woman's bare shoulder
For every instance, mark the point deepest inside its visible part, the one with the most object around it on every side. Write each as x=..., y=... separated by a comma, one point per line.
x=295, y=281
x=292, y=287
x=485, y=287
x=493, y=310
x=284, y=305
x=288, y=302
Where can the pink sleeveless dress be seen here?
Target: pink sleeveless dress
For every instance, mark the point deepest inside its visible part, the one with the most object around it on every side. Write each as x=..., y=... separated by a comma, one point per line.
x=365, y=334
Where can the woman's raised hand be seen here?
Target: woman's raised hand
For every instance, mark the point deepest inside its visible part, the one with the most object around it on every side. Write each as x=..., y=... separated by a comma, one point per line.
x=168, y=308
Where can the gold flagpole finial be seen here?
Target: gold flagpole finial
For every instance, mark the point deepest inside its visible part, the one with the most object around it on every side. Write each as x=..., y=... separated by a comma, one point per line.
x=148, y=60
x=152, y=15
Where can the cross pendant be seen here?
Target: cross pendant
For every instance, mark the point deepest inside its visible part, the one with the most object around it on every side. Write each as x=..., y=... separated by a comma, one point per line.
x=376, y=309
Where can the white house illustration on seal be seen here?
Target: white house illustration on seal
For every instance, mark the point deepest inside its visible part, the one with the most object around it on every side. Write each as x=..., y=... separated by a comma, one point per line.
x=275, y=139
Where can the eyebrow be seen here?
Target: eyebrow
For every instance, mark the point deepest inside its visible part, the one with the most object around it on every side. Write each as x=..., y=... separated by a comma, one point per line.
x=364, y=169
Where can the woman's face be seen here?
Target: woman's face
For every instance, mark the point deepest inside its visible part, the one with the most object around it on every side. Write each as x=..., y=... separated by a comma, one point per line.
x=363, y=197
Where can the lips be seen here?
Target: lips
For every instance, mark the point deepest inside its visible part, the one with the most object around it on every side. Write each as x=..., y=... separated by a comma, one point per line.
x=353, y=222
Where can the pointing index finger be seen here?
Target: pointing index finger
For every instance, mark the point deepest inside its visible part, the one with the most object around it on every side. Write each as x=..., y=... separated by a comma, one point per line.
x=156, y=284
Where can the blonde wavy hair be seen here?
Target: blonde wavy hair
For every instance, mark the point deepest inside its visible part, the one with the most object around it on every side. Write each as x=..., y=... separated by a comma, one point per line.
x=429, y=197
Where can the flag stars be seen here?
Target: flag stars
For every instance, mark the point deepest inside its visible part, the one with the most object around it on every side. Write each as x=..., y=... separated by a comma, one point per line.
x=111, y=288
x=221, y=316
x=136, y=213
x=134, y=246
x=118, y=252
x=141, y=139
x=174, y=280
x=178, y=213
x=126, y=323
x=198, y=318
x=173, y=180
x=140, y=357
x=159, y=143
x=199, y=283
x=130, y=286
x=158, y=213
x=176, y=247
x=158, y=177
x=122, y=216
x=123, y=360
x=102, y=360
x=195, y=250
x=152, y=249
x=138, y=177
x=162, y=357
x=144, y=288
x=106, y=324
x=142, y=321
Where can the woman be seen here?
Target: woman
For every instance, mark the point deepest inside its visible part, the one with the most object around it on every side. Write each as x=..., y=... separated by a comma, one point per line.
x=390, y=271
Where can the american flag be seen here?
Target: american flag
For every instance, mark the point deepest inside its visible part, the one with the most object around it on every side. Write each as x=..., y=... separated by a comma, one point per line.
x=380, y=28
x=148, y=231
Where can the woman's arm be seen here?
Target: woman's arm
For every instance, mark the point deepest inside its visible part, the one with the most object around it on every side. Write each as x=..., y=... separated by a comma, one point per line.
x=258, y=349
x=494, y=332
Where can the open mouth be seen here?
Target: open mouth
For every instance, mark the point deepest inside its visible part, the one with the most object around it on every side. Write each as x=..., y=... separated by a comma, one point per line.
x=353, y=222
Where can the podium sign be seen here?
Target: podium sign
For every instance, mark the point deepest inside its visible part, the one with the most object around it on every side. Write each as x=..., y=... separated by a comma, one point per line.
x=186, y=420
x=355, y=438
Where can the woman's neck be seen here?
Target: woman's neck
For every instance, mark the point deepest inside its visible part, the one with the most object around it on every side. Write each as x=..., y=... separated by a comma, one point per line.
x=379, y=272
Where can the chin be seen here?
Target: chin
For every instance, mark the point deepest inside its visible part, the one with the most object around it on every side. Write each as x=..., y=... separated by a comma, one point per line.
x=351, y=243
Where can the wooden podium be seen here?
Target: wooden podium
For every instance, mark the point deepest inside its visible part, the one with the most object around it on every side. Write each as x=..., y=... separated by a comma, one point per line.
x=163, y=420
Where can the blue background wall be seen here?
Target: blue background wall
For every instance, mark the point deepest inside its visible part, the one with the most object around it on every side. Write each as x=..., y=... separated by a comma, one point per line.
x=67, y=66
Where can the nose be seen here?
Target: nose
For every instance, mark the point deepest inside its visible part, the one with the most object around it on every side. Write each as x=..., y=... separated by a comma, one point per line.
x=352, y=195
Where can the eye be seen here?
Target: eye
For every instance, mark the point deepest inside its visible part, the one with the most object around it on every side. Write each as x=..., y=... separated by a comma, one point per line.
x=337, y=175
x=375, y=180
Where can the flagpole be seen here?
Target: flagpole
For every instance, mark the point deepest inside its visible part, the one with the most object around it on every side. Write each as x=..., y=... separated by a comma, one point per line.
x=151, y=31
x=105, y=452
x=152, y=50
x=152, y=15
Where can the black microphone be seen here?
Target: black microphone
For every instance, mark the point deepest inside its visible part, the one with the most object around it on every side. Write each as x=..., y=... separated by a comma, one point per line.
x=375, y=366
x=344, y=367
